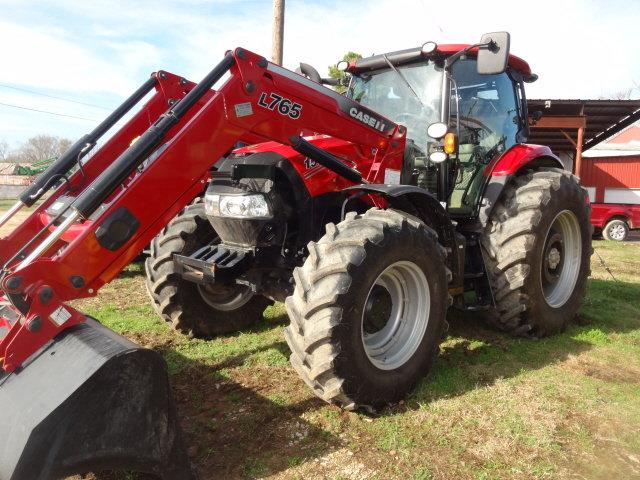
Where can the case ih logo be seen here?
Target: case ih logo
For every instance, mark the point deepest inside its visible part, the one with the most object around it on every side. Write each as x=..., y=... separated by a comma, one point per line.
x=367, y=119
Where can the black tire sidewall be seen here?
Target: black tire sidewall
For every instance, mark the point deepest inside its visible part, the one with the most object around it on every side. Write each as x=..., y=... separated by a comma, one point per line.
x=545, y=319
x=197, y=316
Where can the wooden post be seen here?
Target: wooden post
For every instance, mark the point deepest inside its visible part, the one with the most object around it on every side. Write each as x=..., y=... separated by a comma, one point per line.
x=578, y=163
x=278, y=31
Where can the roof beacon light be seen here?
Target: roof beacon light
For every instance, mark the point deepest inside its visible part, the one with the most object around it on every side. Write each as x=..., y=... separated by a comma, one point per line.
x=429, y=47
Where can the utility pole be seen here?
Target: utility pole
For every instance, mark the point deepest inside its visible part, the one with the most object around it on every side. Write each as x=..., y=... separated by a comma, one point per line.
x=278, y=31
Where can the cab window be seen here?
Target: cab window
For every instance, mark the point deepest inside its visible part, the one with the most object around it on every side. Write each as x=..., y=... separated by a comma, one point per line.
x=484, y=110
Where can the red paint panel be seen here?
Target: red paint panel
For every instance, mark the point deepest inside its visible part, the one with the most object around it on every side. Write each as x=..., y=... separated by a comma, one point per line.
x=176, y=175
x=517, y=157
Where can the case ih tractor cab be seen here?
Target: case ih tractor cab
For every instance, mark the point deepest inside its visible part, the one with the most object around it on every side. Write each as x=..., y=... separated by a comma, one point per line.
x=368, y=213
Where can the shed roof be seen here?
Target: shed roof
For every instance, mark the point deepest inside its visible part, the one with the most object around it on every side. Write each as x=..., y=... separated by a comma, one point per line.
x=603, y=118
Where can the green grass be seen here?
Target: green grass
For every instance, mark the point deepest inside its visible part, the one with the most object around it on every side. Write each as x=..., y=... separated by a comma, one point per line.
x=493, y=406
x=7, y=203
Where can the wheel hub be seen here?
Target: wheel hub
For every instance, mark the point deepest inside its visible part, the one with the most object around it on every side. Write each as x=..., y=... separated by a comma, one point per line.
x=395, y=315
x=561, y=257
x=377, y=309
x=617, y=232
x=553, y=253
x=554, y=258
x=225, y=297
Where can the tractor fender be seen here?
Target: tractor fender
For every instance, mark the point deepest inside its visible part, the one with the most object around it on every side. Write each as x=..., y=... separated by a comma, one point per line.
x=503, y=168
x=424, y=205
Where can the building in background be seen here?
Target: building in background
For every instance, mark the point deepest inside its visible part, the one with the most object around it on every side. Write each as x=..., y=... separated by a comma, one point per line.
x=598, y=140
x=611, y=175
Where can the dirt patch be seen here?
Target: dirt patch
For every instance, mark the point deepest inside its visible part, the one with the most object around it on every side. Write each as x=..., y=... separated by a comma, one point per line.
x=605, y=456
x=342, y=463
x=16, y=220
x=601, y=371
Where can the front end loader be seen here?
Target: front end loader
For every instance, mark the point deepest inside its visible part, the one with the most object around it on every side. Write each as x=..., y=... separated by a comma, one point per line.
x=75, y=397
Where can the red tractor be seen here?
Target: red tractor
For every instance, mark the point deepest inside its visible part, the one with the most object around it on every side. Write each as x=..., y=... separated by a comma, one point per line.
x=467, y=214
x=369, y=213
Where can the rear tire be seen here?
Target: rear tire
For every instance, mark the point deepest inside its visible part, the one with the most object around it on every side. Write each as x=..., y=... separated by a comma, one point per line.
x=189, y=308
x=616, y=230
x=352, y=343
x=537, y=246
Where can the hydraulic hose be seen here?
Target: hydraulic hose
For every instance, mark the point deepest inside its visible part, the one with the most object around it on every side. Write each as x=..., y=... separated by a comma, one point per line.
x=79, y=149
x=100, y=189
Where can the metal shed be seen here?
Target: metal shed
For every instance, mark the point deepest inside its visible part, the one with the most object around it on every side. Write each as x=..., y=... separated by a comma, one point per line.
x=570, y=127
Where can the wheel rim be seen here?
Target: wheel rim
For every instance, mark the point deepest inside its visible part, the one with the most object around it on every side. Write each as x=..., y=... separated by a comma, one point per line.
x=561, y=257
x=395, y=315
x=225, y=297
x=617, y=232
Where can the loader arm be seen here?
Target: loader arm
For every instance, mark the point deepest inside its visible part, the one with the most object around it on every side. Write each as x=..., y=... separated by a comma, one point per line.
x=257, y=100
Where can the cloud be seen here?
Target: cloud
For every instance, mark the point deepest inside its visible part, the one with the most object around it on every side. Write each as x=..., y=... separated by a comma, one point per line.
x=103, y=49
x=41, y=59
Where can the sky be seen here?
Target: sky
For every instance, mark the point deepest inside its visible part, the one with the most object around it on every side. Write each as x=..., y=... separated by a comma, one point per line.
x=96, y=52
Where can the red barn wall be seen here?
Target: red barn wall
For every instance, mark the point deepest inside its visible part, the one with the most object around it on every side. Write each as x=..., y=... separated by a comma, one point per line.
x=610, y=172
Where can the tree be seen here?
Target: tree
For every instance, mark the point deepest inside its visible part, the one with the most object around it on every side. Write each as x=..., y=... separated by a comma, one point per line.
x=623, y=94
x=43, y=147
x=335, y=73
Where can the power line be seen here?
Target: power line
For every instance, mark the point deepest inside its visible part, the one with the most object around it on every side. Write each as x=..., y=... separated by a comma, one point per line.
x=53, y=96
x=49, y=113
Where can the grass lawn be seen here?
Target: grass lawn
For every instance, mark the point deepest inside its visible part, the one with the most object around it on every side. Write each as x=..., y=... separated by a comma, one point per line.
x=493, y=407
x=7, y=203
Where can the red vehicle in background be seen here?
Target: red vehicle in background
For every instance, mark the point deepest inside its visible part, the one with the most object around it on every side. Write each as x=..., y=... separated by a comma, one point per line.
x=614, y=189
x=614, y=221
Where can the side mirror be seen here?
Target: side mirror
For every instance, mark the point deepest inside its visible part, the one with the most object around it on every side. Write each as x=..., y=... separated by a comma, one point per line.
x=494, y=53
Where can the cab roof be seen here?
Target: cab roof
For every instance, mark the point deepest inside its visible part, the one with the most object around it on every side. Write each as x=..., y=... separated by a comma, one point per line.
x=376, y=62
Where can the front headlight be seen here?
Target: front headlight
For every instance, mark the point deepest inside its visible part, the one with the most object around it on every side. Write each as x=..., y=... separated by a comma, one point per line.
x=253, y=205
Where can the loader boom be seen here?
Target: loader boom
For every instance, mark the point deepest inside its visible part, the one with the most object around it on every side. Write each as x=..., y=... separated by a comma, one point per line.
x=130, y=202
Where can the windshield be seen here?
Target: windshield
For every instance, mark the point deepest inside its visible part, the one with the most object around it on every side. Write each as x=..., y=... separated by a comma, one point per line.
x=385, y=92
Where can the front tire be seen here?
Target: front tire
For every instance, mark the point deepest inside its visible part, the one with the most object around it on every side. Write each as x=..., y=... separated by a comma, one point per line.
x=368, y=310
x=190, y=308
x=537, y=246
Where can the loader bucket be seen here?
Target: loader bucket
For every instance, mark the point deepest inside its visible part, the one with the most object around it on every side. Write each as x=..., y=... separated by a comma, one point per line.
x=89, y=401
